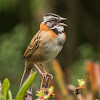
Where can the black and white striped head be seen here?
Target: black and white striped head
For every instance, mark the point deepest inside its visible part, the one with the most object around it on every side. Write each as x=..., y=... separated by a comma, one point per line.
x=51, y=19
x=59, y=28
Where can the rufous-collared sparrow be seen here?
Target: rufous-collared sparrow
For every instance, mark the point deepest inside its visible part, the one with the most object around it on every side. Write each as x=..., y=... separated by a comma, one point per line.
x=46, y=43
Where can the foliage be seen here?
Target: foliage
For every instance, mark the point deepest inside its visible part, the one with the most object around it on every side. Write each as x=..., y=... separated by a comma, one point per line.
x=5, y=88
x=81, y=83
x=6, y=94
x=44, y=96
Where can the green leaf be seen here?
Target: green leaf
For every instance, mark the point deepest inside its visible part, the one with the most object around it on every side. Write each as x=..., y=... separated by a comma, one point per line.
x=5, y=87
x=51, y=89
x=2, y=97
x=9, y=96
x=25, y=87
x=40, y=93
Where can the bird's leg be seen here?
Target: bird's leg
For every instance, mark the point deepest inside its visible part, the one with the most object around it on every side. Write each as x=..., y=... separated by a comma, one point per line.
x=43, y=68
x=45, y=74
x=45, y=80
x=38, y=69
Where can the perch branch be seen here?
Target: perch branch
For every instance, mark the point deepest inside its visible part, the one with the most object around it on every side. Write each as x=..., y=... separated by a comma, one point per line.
x=45, y=84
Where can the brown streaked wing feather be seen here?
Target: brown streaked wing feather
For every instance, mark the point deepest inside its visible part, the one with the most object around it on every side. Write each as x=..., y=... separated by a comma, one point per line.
x=32, y=46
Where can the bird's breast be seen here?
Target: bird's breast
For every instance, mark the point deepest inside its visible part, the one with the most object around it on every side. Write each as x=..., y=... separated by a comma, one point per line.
x=53, y=46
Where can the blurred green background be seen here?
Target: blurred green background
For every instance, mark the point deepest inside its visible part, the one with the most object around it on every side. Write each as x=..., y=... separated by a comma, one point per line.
x=20, y=20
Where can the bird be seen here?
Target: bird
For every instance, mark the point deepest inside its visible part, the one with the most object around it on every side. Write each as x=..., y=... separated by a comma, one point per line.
x=45, y=44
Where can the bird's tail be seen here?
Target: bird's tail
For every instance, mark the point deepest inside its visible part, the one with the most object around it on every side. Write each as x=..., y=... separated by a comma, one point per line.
x=26, y=74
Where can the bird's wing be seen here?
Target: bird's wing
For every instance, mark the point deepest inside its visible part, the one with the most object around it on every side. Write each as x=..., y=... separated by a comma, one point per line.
x=34, y=44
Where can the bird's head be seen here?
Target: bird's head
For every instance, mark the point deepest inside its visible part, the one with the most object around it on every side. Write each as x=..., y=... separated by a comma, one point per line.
x=51, y=19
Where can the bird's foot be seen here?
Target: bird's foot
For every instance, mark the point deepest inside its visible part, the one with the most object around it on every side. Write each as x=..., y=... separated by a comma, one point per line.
x=47, y=75
x=45, y=80
x=44, y=74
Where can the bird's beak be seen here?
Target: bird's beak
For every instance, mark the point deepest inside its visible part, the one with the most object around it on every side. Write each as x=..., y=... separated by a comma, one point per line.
x=62, y=24
x=61, y=18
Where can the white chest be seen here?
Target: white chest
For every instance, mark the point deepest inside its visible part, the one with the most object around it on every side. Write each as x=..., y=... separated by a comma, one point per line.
x=54, y=46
